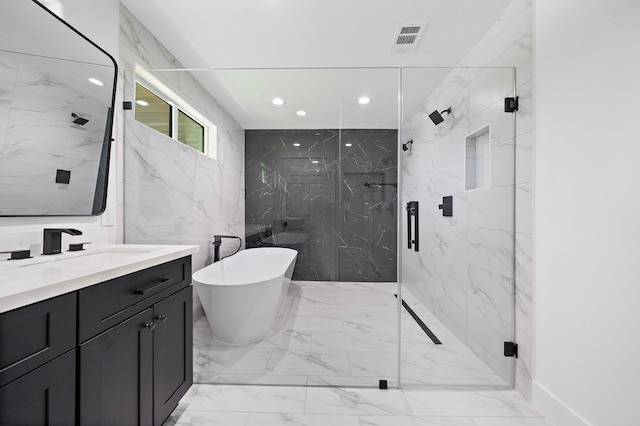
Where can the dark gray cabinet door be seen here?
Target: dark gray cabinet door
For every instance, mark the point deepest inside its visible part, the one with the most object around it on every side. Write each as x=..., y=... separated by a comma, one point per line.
x=173, y=352
x=45, y=396
x=35, y=334
x=116, y=374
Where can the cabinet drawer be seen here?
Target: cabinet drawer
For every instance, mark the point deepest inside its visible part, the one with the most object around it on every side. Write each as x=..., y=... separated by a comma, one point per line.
x=106, y=304
x=35, y=334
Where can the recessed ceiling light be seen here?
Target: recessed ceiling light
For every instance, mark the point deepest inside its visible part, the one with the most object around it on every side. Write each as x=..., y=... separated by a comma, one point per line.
x=96, y=81
x=142, y=103
x=278, y=101
x=301, y=113
x=296, y=144
x=315, y=161
x=348, y=144
x=364, y=100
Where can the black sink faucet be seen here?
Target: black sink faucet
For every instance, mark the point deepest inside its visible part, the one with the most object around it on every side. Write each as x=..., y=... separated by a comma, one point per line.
x=52, y=241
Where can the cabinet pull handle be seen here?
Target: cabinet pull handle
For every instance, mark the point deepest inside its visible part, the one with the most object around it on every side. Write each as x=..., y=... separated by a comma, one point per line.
x=162, y=317
x=150, y=325
x=153, y=285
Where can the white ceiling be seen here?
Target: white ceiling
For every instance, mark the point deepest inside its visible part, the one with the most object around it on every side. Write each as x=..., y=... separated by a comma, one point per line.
x=257, y=35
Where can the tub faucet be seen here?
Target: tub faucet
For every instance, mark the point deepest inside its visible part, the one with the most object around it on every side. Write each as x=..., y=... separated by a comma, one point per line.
x=52, y=241
x=217, y=241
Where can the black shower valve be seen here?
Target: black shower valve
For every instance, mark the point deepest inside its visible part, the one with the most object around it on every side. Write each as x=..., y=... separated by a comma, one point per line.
x=447, y=206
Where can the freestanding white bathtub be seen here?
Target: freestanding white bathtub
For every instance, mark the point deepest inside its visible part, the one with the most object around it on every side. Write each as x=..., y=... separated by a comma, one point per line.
x=242, y=294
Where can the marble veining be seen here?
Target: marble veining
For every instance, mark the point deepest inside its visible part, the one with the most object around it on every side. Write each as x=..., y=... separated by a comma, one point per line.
x=342, y=197
x=172, y=193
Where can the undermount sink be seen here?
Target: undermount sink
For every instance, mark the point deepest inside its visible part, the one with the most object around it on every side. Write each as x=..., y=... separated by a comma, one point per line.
x=90, y=256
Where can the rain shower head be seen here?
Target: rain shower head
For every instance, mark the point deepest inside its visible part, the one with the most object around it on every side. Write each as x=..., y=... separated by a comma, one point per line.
x=405, y=146
x=436, y=116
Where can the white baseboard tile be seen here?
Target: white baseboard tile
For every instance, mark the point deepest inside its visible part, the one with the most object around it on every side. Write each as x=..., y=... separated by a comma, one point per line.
x=554, y=409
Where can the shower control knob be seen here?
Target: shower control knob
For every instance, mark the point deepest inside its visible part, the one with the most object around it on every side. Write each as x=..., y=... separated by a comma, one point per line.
x=162, y=318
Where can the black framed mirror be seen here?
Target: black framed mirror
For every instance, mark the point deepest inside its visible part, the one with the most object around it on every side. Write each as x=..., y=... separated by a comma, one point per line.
x=57, y=92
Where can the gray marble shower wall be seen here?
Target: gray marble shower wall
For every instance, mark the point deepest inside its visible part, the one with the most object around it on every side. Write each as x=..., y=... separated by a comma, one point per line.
x=331, y=194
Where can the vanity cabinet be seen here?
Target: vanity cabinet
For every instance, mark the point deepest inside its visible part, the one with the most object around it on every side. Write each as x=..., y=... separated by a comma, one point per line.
x=38, y=363
x=138, y=367
x=113, y=353
x=136, y=372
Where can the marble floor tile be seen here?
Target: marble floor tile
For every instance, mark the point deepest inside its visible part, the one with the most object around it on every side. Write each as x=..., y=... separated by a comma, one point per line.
x=373, y=364
x=355, y=401
x=229, y=360
x=249, y=379
x=210, y=418
x=511, y=421
x=341, y=334
x=294, y=419
x=297, y=306
x=245, y=398
x=315, y=323
x=289, y=339
x=411, y=343
x=415, y=421
x=299, y=406
x=348, y=341
x=454, y=366
x=468, y=403
x=371, y=323
x=309, y=363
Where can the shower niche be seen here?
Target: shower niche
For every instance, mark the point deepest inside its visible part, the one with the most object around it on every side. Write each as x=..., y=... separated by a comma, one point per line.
x=477, y=159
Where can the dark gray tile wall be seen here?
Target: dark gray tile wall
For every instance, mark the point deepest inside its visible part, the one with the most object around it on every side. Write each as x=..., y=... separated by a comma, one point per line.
x=335, y=204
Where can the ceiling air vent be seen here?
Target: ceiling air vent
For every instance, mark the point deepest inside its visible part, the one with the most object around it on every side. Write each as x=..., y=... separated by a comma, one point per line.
x=406, y=38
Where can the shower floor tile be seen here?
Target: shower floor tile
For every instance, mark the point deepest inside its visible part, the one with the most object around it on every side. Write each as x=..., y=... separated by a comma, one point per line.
x=342, y=334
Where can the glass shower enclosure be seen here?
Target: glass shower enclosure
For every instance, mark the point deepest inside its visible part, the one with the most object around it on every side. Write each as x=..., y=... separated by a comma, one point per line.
x=335, y=184
x=459, y=171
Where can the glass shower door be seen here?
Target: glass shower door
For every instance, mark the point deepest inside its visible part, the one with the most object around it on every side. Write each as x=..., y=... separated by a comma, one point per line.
x=325, y=184
x=460, y=284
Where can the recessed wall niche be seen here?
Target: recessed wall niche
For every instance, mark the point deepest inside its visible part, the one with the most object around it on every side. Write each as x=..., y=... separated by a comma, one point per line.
x=477, y=159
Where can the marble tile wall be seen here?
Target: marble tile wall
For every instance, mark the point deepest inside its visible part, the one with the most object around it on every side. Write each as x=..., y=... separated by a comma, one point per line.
x=172, y=193
x=468, y=263
x=318, y=190
x=35, y=126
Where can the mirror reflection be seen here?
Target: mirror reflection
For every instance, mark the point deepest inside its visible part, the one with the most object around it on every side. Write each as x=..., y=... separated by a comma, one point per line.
x=56, y=103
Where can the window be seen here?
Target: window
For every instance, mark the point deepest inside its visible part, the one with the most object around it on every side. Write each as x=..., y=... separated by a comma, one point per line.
x=190, y=132
x=152, y=110
x=169, y=119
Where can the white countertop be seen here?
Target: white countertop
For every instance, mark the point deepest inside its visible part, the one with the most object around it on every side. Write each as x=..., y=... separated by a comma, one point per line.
x=27, y=281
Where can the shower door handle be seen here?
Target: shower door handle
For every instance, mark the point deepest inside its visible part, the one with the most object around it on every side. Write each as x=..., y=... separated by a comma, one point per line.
x=414, y=239
x=409, y=225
